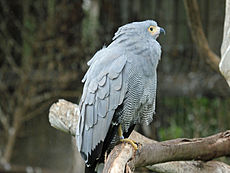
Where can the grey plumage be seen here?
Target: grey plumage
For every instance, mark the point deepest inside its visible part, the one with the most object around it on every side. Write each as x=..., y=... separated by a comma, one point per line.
x=120, y=86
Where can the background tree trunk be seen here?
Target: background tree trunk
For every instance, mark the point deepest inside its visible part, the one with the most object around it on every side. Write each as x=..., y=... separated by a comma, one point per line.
x=198, y=36
x=225, y=48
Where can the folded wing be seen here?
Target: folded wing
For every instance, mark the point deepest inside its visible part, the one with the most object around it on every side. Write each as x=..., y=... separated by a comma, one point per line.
x=104, y=90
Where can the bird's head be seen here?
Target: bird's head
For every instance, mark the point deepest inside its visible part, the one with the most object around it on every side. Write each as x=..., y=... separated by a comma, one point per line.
x=153, y=29
x=146, y=30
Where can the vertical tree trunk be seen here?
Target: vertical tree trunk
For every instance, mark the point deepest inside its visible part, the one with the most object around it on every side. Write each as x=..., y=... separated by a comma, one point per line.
x=91, y=25
x=225, y=48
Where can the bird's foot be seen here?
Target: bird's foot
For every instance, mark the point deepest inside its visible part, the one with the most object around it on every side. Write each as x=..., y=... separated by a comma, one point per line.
x=131, y=142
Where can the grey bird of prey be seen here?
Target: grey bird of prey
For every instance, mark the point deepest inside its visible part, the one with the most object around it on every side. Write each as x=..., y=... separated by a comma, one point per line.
x=119, y=90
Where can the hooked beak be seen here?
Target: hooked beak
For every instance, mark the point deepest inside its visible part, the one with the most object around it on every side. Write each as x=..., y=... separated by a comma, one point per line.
x=162, y=30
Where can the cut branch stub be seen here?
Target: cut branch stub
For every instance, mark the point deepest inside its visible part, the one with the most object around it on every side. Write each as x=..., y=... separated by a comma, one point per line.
x=63, y=116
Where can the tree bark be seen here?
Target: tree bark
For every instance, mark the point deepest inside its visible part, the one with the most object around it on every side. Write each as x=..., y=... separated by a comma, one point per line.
x=64, y=116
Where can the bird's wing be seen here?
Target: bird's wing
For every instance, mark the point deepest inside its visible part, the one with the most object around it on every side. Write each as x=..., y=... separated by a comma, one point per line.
x=104, y=89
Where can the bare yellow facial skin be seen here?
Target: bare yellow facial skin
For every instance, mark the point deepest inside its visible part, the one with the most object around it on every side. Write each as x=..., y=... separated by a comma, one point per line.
x=152, y=29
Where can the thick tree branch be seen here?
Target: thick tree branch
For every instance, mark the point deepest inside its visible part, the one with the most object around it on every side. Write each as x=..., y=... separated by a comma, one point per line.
x=64, y=116
x=198, y=36
x=174, y=150
x=190, y=167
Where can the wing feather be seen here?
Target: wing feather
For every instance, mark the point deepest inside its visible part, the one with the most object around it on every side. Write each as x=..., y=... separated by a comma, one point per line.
x=102, y=107
x=114, y=99
x=89, y=120
x=117, y=84
x=102, y=81
x=104, y=90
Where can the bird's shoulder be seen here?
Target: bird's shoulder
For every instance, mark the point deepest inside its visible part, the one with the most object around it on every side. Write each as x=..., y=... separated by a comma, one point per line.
x=101, y=62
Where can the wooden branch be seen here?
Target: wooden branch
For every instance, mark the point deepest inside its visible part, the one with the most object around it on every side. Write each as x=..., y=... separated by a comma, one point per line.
x=185, y=149
x=225, y=48
x=174, y=150
x=190, y=167
x=64, y=116
x=198, y=36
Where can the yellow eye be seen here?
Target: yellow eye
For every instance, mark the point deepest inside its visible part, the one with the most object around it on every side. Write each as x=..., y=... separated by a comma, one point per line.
x=152, y=29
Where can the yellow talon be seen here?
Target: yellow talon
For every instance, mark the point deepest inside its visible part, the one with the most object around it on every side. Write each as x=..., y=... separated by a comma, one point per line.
x=130, y=141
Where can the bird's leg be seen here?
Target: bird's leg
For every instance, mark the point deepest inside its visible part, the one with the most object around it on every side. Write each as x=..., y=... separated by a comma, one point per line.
x=120, y=133
x=130, y=141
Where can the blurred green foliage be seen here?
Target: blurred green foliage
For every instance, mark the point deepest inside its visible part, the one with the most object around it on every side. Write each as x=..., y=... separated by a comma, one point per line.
x=193, y=117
